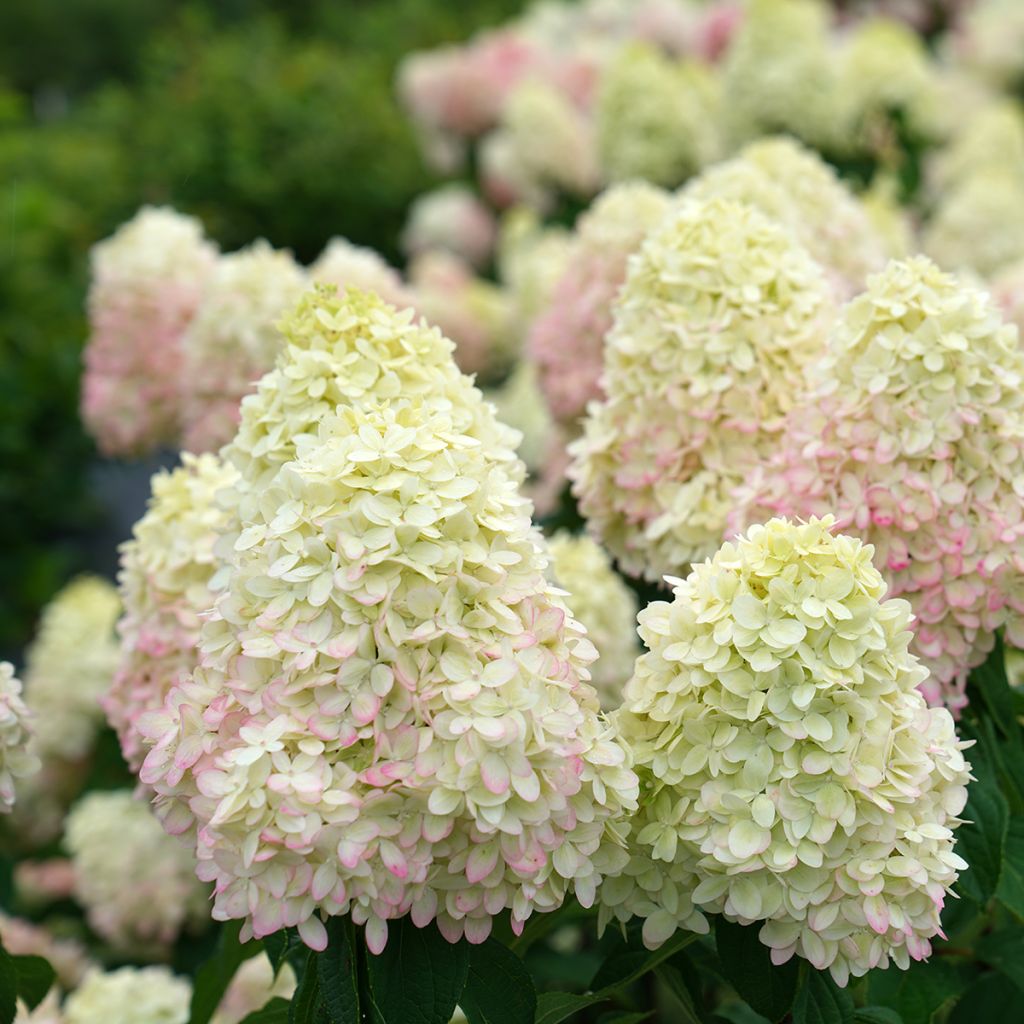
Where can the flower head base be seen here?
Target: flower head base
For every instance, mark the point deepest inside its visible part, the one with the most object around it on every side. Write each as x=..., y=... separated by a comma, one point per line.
x=720, y=312
x=148, y=280
x=233, y=340
x=166, y=572
x=917, y=443
x=130, y=995
x=137, y=884
x=791, y=772
x=567, y=338
x=605, y=606
x=15, y=759
x=391, y=714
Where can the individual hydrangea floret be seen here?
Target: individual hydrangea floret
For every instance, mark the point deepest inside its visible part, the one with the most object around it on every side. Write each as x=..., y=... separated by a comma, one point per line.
x=147, y=282
x=454, y=219
x=166, y=573
x=605, y=606
x=794, y=186
x=720, y=313
x=16, y=760
x=70, y=665
x=656, y=118
x=915, y=440
x=791, y=772
x=392, y=714
x=130, y=995
x=566, y=340
x=233, y=340
x=136, y=883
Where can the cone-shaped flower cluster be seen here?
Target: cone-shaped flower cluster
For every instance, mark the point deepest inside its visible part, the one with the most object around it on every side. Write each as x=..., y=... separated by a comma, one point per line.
x=605, y=606
x=233, y=340
x=720, y=312
x=148, y=280
x=15, y=760
x=794, y=186
x=391, y=714
x=166, y=570
x=130, y=995
x=917, y=444
x=567, y=339
x=136, y=883
x=789, y=766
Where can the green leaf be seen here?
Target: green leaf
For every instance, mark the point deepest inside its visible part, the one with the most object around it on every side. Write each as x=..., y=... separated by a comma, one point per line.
x=876, y=1015
x=676, y=984
x=1010, y=891
x=917, y=993
x=419, y=976
x=739, y=1013
x=993, y=999
x=624, y=967
x=747, y=964
x=337, y=968
x=35, y=976
x=820, y=1001
x=989, y=679
x=275, y=1012
x=623, y=1017
x=280, y=945
x=553, y=1007
x=982, y=842
x=8, y=987
x=1005, y=952
x=213, y=978
x=499, y=989
x=306, y=1005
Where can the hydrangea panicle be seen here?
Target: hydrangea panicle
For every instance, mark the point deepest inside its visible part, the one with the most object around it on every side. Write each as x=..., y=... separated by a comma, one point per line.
x=16, y=760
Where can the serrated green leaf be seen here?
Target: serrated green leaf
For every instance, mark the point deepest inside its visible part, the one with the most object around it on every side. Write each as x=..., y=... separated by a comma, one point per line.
x=419, y=976
x=982, y=842
x=35, y=976
x=275, y=1012
x=1004, y=950
x=990, y=681
x=992, y=999
x=1010, y=891
x=819, y=1000
x=553, y=1007
x=626, y=966
x=279, y=946
x=306, y=1006
x=676, y=984
x=8, y=988
x=499, y=989
x=747, y=964
x=917, y=993
x=213, y=978
x=337, y=974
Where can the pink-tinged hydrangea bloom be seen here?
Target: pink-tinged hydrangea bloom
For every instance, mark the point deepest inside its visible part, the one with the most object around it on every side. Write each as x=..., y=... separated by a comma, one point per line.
x=16, y=760
x=657, y=119
x=355, y=266
x=67, y=957
x=566, y=340
x=605, y=606
x=916, y=442
x=147, y=282
x=794, y=186
x=130, y=995
x=39, y=882
x=136, y=883
x=166, y=572
x=70, y=665
x=721, y=311
x=392, y=714
x=473, y=312
x=233, y=340
x=791, y=772
x=452, y=218
x=252, y=987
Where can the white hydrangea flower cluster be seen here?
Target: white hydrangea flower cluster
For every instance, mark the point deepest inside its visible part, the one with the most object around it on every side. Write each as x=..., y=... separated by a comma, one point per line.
x=346, y=265
x=721, y=311
x=166, y=572
x=136, y=883
x=70, y=665
x=233, y=339
x=130, y=995
x=605, y=606
x=392, y=714
x=993, y=138
x=791, y=772
x=16, y=761
x=656, y=118
x=794, y=186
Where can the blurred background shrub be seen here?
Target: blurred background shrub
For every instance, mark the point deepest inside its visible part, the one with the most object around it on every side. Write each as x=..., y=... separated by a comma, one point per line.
x=266, y=119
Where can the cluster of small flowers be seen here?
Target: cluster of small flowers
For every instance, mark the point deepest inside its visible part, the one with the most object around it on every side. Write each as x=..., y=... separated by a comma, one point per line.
x=232, y=340
x=147, y=282
x=166, y=572
x=70, y=665
x=16, y=761
x=451, y=218
x=127, y=996
x=915, y=439
x=136, y=883
x=391, y=715
x=355, y=266
x=720, y=313
x=791, y=772
x=605, y=606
